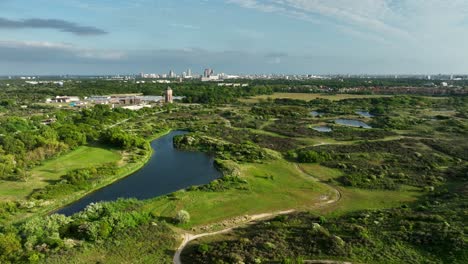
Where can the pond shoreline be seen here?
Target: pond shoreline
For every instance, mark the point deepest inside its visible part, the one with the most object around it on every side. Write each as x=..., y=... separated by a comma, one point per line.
x=114, y=178
x=160, y=175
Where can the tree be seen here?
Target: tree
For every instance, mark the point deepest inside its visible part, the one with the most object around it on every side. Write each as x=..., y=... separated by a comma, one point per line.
x=71, y=135
x=182, y=217
x=9, y=246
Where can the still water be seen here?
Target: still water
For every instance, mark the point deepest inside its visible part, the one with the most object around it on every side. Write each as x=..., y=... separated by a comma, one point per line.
x=352, y=123
x=322, y=129
x=364, y=114
x=167, y=171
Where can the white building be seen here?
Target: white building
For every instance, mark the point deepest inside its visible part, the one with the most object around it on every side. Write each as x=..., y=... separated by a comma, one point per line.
x=212, y=78
x=63, y=99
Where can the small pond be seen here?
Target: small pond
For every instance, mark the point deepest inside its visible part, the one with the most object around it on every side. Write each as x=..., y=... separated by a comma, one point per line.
x=364, y=114
x=316, y=114
x=352, y=123
x=322, y=129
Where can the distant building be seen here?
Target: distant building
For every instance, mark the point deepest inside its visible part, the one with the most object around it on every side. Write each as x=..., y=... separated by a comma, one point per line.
x=168, y=96
x=212, y=78
x=208, y=72
x=126, y=100
x=99, y=99
x=136, y=107
x=162, y=81
x=63, y=99
x=151, y=99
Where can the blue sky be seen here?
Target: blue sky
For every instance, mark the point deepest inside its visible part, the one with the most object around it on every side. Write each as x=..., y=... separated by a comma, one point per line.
x=233, y=36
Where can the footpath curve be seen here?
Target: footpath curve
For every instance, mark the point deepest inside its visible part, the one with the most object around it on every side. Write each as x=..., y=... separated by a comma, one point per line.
x=188, y=237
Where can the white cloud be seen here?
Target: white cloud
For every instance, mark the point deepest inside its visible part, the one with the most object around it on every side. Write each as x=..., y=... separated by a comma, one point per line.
x=34, y=44
x=419, y=22
x=63, y=48
x=185, y=26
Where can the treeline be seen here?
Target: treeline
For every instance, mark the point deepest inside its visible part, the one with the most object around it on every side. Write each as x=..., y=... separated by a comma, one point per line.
x=244, y=152
x=376, y=106
x=194, y=92
x=25, y=143
x=306, y=85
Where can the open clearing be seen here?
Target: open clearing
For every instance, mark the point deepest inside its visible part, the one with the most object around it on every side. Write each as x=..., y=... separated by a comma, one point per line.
x=354, y=199
x=309, y=96
x=272, y=186
x=52, y=170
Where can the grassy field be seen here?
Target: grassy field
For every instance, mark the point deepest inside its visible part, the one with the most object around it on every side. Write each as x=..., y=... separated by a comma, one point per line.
x=52, y=170
x=308, y=96
x=354, y=199
x=320, y=172
x=272, y=186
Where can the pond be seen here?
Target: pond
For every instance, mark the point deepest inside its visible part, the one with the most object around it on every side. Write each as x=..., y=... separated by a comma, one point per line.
x=364, y=114
x=322, y=129
x=167, y=171
x=316, y=114
x=352, y=123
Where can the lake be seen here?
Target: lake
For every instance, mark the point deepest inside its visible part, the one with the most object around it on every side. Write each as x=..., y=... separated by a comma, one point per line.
x=167, y=171
x=352, y=123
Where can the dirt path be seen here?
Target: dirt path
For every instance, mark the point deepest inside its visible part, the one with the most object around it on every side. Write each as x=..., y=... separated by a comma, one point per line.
x=187, y=237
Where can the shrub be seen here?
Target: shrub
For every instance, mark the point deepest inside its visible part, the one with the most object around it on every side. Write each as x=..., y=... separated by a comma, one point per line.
x=9, y=246
x=182, y=217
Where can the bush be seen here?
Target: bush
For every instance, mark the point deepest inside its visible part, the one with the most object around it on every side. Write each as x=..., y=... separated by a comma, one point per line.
x=182, y=217
x=9, y=246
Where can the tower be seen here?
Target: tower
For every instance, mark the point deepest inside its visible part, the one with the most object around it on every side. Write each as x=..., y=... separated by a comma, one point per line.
x=208, y=73
x=168, y=96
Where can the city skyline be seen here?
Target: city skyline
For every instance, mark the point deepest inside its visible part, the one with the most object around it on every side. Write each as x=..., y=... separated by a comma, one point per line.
x=236, y=36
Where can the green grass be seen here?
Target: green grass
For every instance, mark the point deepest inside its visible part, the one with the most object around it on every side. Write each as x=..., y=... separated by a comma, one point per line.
x=320, y=172
x=354, y=199
x=52, y=170
x=309, y=96
x=289, y=189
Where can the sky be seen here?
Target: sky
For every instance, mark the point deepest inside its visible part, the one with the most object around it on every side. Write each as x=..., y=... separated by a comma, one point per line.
x=49, y=37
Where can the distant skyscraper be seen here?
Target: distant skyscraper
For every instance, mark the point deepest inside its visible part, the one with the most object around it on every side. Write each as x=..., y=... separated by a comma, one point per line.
x=171, y=74
x=189, y=72
x=168, y=96
x=208, y=73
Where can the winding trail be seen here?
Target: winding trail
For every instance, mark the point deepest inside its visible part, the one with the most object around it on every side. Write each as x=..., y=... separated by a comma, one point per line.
x=188, y=237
